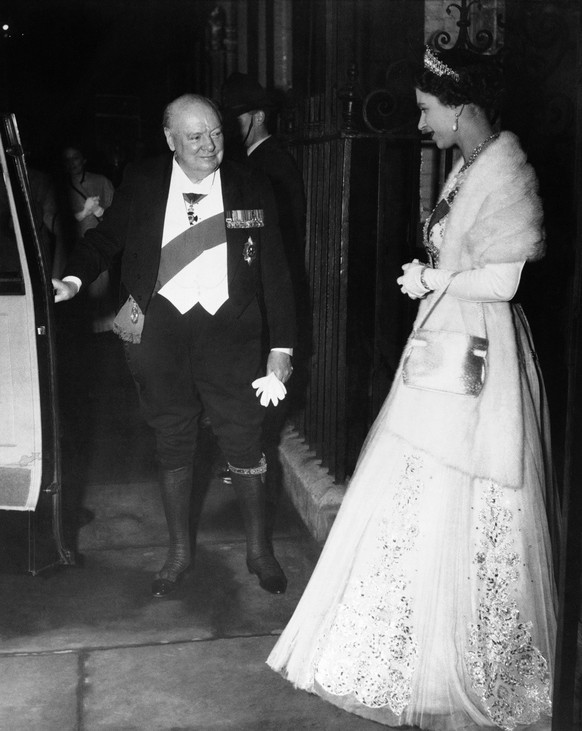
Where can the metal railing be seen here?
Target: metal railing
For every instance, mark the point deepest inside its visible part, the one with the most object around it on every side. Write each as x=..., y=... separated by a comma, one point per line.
x=362, y=215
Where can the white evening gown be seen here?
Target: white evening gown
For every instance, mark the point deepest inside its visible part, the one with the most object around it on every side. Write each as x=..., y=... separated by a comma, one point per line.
x=433, y=602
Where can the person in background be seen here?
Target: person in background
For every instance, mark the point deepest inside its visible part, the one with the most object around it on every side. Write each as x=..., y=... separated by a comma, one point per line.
x=245, y=99
x=201, y=256
x=250, y=112
x=89, y=195
x=433, y=604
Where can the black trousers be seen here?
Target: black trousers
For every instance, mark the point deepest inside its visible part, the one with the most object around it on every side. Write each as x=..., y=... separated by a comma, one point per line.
x=188, y=362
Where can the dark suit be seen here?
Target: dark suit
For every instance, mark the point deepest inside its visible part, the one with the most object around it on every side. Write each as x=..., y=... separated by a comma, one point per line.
x=287, y=182
x=184, y=358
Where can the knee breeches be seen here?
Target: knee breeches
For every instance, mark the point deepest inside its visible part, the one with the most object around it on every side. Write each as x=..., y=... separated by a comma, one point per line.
x=186, y=363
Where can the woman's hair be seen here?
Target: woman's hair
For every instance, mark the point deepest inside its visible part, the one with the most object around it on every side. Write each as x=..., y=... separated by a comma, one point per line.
x=458, y=76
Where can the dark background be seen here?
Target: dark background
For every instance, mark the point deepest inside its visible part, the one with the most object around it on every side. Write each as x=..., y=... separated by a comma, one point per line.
x=98, y=72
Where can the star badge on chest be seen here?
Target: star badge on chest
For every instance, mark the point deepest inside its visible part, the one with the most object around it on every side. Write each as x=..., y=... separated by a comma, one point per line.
x=249, y=251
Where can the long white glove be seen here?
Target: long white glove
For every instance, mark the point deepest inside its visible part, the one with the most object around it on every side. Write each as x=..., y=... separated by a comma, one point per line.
x=269, y=389
x=491, y=283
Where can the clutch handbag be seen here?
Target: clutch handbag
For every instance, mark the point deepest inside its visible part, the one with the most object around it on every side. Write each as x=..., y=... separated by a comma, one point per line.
x=441, y=360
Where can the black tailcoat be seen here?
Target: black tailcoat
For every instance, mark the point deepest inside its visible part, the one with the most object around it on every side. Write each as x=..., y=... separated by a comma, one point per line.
x=133, y=227
x=185, y=359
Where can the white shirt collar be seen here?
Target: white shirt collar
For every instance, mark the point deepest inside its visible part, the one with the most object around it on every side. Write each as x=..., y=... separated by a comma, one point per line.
x=256, y=144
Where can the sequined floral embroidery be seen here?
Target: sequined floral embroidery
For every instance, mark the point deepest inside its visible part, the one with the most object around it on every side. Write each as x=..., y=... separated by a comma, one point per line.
x=370, y=649
x=507, y=671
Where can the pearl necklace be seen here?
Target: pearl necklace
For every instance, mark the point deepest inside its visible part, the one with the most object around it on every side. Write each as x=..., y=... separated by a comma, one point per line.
x=477, y=151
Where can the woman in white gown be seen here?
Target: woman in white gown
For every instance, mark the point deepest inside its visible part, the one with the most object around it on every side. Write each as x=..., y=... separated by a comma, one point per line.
x=433, y=602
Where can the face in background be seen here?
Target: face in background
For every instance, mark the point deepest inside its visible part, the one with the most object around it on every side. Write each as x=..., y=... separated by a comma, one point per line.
x=245, y=122
x=195, y=136
x=436, y=119
x=74, y=161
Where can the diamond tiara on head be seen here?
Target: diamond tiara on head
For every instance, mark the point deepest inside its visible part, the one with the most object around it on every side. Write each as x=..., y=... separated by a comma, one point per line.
x=436, y=66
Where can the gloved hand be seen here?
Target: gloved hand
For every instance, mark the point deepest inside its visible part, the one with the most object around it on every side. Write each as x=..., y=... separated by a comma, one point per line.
x=410, y=283
x=269, y=389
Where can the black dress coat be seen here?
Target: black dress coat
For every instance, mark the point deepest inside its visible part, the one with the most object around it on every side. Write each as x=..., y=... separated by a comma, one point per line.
x=133, y=225
x=287, y=183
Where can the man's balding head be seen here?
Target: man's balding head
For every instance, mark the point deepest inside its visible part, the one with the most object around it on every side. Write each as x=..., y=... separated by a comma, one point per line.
x=183, y=102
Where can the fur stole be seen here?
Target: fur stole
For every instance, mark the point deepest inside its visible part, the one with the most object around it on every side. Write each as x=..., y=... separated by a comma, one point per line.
x=497, y=214
x=496, y=217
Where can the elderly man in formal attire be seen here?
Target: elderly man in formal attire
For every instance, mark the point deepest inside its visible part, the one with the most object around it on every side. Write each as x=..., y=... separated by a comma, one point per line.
x=201, y=270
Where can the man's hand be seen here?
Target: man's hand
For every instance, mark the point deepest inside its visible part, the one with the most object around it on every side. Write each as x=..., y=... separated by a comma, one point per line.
x=280, y=364
x=90, y=206
x=64, y=290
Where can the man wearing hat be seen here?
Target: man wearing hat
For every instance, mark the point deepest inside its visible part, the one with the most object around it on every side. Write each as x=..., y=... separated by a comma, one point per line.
x=247, y=104
x=245, y=99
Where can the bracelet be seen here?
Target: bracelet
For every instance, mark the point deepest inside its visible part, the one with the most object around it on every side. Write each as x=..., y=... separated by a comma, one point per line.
x=422, y=279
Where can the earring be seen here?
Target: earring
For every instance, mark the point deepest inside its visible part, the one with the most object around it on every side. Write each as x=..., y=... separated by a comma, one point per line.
x=456, y=122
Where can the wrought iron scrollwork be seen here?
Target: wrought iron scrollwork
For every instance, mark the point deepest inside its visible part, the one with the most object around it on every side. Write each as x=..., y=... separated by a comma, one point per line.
x=483, y=38
x=378, y=109
x=392, y=109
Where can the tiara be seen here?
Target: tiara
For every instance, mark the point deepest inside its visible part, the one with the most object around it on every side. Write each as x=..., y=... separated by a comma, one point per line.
x=436, y=66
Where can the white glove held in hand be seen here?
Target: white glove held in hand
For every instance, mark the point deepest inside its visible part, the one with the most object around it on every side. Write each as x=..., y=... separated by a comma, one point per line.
x=269, y=389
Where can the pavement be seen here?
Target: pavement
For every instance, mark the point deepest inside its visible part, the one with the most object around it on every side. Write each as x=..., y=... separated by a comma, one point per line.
x=87, y=647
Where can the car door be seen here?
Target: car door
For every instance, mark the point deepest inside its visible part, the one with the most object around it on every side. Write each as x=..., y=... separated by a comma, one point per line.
x=30, y=474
